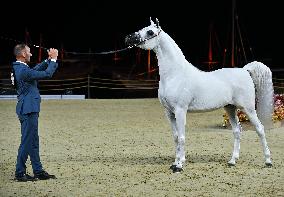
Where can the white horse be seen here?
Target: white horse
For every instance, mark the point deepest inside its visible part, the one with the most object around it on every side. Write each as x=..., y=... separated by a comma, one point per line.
x=183, y=88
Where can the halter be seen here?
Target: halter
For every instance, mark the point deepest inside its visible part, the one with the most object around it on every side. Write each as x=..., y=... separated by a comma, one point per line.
x=145, y=40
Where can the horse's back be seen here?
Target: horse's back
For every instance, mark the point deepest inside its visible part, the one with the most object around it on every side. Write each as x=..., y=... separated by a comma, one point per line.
x=234, y=76
x=222, y=87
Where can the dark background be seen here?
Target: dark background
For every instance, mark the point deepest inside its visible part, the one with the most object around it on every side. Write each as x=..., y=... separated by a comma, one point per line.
x=83, y=26
x=100, y=26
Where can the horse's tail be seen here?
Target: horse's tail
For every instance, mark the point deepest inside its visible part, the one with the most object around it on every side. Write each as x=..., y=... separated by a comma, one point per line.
x=262, y=78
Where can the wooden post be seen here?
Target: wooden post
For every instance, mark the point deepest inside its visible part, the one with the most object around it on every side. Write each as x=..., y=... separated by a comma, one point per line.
x=149, y=63
x=27, y=36
x=210, y=55
x=89, y=86
x=40, y=49
x=233, y=34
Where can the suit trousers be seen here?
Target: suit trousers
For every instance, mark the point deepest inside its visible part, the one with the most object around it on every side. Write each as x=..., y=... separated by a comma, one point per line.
x=29, y=143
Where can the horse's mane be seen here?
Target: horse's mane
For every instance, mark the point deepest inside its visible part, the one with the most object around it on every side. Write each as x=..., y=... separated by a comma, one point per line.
x=175, y=48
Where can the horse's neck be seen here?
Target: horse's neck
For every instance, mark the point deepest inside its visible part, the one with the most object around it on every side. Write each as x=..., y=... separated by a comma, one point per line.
x=168, y=48
x=170, y=57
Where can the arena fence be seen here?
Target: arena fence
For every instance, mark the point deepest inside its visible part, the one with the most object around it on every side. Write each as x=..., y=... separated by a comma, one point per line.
x=94, y=87
x=90, y=87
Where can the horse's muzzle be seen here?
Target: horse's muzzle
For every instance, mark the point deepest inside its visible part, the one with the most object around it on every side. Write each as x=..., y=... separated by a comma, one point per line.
x=132, y=39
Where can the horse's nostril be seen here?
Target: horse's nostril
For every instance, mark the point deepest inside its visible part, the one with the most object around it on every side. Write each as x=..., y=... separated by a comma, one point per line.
x=132, y=39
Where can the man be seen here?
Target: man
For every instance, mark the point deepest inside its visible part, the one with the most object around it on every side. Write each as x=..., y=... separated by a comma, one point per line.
x=25, y=79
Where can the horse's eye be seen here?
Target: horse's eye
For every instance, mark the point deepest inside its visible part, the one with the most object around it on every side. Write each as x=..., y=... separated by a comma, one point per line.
x=150, y=33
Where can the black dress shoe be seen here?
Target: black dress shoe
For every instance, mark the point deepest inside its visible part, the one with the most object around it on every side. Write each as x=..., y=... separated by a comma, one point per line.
x=24, y=178
x=43, y=175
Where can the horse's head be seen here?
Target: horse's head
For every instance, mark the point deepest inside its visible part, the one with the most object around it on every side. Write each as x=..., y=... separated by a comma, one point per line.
x=146, y=38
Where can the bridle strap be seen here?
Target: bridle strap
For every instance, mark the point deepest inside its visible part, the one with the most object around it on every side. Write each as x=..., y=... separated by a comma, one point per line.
x=146, y=39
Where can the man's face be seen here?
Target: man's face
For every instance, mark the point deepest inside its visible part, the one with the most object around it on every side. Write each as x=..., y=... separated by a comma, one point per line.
x=27, y=54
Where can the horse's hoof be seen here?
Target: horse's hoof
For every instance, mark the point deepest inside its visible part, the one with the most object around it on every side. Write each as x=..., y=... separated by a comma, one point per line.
x=269, y=165
x=177, y=169
x=231, y=164
x=173, y=167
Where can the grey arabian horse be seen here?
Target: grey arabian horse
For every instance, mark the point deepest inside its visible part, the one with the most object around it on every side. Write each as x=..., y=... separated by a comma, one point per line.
x=184, y=88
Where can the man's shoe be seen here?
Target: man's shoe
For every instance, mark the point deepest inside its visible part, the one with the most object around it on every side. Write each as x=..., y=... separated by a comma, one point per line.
x=43, y=175
x=24, y=178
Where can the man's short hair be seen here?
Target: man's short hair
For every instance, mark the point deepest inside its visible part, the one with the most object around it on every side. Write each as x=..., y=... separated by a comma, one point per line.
x=19, y=49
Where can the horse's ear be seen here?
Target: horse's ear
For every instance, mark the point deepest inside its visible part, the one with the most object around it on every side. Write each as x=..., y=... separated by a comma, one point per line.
x=152, y=23
x=157, y=23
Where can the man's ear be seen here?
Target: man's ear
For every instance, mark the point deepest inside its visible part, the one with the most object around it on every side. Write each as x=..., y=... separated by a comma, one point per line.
x=24, y=53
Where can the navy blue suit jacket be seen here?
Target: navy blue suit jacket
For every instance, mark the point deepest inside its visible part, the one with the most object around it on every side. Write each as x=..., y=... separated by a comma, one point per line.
x=26, y=78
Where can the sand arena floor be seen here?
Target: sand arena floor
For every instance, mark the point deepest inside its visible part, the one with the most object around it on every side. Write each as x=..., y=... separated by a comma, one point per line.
x=125, y=148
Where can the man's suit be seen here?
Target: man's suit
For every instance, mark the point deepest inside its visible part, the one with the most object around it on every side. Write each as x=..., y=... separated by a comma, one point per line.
x=28, y=108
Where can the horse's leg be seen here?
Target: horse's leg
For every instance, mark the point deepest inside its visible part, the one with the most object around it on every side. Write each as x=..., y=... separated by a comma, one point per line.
x=180, y=119
x=237, y=130
x=171, y=117
x=251, y=113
